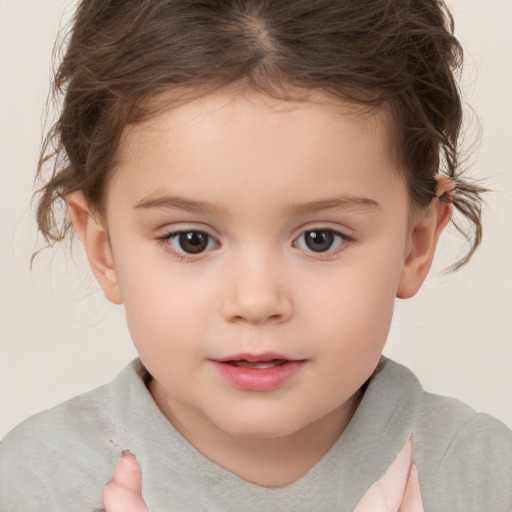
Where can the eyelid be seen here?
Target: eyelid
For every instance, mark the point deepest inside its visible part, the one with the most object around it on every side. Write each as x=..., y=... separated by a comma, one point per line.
x=346, y=241
x=165, y=239
x=342, y=230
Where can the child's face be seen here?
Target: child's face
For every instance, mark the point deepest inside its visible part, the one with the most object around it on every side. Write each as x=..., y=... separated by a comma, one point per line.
x=255, y=229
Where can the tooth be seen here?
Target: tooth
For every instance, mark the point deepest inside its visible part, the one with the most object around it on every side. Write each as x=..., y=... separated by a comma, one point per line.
x=258, y=365
x=261, y=365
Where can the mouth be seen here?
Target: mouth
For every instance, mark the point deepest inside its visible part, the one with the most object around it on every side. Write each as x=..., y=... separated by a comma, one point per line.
x=257, y=365
x=258, y=372
x=256, y=361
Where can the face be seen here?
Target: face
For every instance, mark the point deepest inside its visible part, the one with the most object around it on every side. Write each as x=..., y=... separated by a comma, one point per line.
x=258, y=247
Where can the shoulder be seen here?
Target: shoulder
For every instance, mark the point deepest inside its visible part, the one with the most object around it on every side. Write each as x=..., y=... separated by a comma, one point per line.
x=463, y=457
x=467, y=454
x=464, y=442
x=459, y=434
x=71, y=447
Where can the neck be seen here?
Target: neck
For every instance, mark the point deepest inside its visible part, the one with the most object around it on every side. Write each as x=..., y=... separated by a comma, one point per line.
x=269, y=462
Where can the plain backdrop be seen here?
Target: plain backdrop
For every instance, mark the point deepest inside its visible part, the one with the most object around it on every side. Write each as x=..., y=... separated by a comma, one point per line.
x=60, y=337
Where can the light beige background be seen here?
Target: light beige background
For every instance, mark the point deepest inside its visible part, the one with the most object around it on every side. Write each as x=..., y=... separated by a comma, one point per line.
x=59, y=336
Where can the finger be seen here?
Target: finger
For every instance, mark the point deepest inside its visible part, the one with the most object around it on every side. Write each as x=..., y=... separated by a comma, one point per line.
x=124, y=492
x=127, y=473
x=120, y=499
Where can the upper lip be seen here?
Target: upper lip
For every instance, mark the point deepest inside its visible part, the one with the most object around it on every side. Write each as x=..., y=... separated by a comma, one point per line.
x=255, y=358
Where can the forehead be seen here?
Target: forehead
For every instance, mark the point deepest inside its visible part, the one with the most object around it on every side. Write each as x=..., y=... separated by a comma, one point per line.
x=258, y=143
x=239, y=112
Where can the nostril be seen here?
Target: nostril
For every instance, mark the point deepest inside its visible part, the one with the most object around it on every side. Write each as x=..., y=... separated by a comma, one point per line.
x=257, y=318
x=256, y=305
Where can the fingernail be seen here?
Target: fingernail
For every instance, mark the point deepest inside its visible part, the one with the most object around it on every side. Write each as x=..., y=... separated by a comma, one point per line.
x=124, y=453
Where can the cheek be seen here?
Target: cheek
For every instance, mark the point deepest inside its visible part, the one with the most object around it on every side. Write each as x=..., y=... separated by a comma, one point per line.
x=353, y=333
x=358, y=320
x=163, y=316
x=354, y=309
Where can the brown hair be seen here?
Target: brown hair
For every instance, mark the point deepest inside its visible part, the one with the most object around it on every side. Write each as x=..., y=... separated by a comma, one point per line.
x=397, y=54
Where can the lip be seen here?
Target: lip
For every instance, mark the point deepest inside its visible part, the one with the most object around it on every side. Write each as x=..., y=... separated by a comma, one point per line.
x=258, y=379
x=253, y=358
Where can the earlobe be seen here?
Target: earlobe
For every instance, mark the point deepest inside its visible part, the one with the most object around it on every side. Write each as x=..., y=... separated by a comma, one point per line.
x=427, y=226
x=95, y=240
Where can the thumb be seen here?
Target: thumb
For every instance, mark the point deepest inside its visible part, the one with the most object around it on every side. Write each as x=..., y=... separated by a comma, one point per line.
x=124, y=492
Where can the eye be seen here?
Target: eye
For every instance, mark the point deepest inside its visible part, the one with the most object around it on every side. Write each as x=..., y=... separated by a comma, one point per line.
x=320, y=240
x=189, y=242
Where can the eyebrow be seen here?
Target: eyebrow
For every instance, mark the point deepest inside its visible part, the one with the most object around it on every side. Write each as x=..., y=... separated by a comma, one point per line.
x=192, y=205
x=177, y=202
x=347, y=202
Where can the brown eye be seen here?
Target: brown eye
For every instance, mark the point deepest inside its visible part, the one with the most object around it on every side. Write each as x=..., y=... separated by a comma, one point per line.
x=320, y=240
x=193, y=242
x=189, y=242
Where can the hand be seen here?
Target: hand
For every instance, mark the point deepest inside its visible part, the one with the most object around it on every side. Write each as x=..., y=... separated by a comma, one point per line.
x=124, y=492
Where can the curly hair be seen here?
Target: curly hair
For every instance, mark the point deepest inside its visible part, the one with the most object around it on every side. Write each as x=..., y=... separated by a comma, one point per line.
x=400, y=55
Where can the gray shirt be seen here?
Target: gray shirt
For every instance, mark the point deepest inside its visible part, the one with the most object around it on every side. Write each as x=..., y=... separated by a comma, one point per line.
x=61, y=459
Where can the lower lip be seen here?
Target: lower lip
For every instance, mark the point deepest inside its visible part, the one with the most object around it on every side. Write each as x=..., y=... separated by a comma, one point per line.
x=264, y=379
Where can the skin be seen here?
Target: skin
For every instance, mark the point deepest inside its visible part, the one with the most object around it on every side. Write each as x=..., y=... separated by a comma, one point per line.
x=124, y=492
x=258, y=175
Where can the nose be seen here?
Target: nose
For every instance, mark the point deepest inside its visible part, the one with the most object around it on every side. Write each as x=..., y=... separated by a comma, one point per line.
x=257, y=293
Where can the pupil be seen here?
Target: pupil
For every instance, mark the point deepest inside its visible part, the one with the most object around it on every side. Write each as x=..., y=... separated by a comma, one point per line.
x=319, y=241
x=193, y=242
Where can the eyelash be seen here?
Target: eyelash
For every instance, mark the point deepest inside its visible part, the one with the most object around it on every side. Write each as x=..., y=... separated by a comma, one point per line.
x=166, y=242
x=342, y=240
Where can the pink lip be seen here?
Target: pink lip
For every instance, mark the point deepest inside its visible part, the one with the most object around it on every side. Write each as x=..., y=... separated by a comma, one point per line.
x=257, y=379
x=253, y=358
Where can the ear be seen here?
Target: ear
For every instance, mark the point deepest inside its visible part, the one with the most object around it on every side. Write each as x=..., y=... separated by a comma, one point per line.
x=95, y=240
x=426, y=228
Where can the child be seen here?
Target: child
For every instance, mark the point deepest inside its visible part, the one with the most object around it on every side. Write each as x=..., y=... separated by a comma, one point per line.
x=256, y=182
